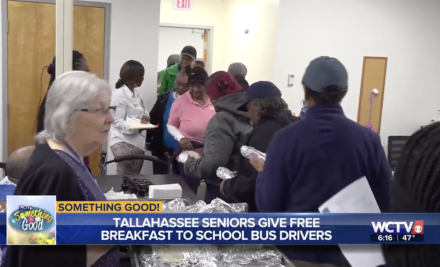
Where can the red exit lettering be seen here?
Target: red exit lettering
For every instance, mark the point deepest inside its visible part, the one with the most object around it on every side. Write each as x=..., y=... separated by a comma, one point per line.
x=183, y=4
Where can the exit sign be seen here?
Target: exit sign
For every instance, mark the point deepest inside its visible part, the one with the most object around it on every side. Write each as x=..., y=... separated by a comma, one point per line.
x=183, y=4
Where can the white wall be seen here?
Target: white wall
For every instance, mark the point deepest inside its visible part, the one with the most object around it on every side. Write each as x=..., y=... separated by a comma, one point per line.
x=134, y=35
x=172, y=40
x=230, y=18
x=204, y=13
x=257, y=48
x=407, y=32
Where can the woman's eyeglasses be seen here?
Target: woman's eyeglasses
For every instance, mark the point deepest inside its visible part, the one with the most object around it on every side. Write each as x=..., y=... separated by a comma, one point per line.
x=181, y=85
x=103, y=111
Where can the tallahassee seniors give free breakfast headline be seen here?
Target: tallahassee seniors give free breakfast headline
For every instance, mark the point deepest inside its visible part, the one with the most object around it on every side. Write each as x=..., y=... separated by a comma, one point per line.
x=179, y=229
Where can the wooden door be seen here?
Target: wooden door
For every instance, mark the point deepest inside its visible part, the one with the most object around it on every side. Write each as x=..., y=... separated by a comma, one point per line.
x=31, y=47
x=205, y=47
x=373, y=77
x=89, y=39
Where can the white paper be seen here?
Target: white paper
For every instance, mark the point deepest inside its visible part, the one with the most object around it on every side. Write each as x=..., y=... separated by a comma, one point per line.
x=165, y=191
x=356, y=198
x=136, y=124
x=112, y=195
x=182, y=158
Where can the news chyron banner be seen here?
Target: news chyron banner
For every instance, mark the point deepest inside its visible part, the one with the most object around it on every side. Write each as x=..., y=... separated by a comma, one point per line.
x=40, y=220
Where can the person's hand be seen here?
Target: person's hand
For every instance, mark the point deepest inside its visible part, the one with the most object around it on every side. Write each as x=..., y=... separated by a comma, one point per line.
x=257, y=162
x=145, y=119
x=222, y=186
x=185, y=144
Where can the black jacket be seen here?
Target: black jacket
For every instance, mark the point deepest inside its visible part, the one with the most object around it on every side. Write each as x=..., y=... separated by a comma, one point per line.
x=41, y=114
x=226, y=133
x=242, y=187
x=155, y=136
x=47, y=174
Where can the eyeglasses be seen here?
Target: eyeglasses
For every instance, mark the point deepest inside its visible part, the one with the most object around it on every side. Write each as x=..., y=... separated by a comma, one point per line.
x=182, y=85
x=103, y=111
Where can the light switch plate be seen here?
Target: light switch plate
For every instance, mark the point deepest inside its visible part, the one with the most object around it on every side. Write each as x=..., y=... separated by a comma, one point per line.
x=290, y=80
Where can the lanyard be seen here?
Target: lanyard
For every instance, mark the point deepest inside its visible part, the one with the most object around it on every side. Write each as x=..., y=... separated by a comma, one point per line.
x=74, y=153
x=80, y=160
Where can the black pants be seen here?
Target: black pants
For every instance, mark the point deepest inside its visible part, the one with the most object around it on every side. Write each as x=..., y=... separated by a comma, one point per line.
x=160, y=168
x=192, y=182
x=213, y=192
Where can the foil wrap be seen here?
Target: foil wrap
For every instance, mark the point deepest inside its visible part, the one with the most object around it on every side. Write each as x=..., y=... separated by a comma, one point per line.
x=224, y=173
x=248, y=151
x=216, y=206
x=208, y=255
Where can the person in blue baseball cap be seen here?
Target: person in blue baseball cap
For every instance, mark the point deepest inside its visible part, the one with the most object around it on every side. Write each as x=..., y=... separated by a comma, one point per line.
x=268, y=113
x=310, y=161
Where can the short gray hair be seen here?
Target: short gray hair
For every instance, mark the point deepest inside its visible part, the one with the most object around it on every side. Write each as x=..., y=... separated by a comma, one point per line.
x=268, y=105
x=237, y=69
x=70, y=91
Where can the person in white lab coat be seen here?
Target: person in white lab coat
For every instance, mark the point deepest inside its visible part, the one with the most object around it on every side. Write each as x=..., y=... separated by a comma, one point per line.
x=129, y=105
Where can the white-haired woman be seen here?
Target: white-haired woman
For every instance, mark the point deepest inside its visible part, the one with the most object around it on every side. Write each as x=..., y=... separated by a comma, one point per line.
x=77, y=122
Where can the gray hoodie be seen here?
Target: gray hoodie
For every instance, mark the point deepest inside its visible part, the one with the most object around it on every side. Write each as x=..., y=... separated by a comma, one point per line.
x=226, y=133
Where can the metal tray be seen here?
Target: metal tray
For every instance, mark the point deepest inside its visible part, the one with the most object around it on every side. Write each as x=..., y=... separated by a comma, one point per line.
x=134, y=254
x=134, y=250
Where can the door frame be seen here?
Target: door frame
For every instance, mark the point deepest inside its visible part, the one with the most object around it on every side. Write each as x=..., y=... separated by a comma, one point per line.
x=4, y=85
x=210, y=42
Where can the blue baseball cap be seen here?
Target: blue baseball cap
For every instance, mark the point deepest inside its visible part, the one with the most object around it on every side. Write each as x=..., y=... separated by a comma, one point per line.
x=258, y=90
x=323, y=72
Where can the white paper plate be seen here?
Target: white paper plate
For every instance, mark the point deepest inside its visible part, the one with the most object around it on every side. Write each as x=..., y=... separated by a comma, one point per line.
x=139, y=126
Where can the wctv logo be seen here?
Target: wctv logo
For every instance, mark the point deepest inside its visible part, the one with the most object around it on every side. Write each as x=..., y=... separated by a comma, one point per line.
x=413, y=228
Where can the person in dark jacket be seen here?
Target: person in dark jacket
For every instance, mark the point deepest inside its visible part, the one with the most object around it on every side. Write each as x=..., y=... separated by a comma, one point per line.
x=79, y=62
x=161, y=143
x=415, y=189
x=268, y=113
x=312, y=160
x=225, y=134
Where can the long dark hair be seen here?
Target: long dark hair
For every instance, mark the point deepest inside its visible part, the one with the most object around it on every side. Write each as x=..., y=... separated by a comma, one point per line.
x=415, y=189
x=76, y=63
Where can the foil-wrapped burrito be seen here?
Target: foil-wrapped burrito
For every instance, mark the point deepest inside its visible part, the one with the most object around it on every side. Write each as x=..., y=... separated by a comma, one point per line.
x=248, y=151
x=208, y=255
x=225, y=173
